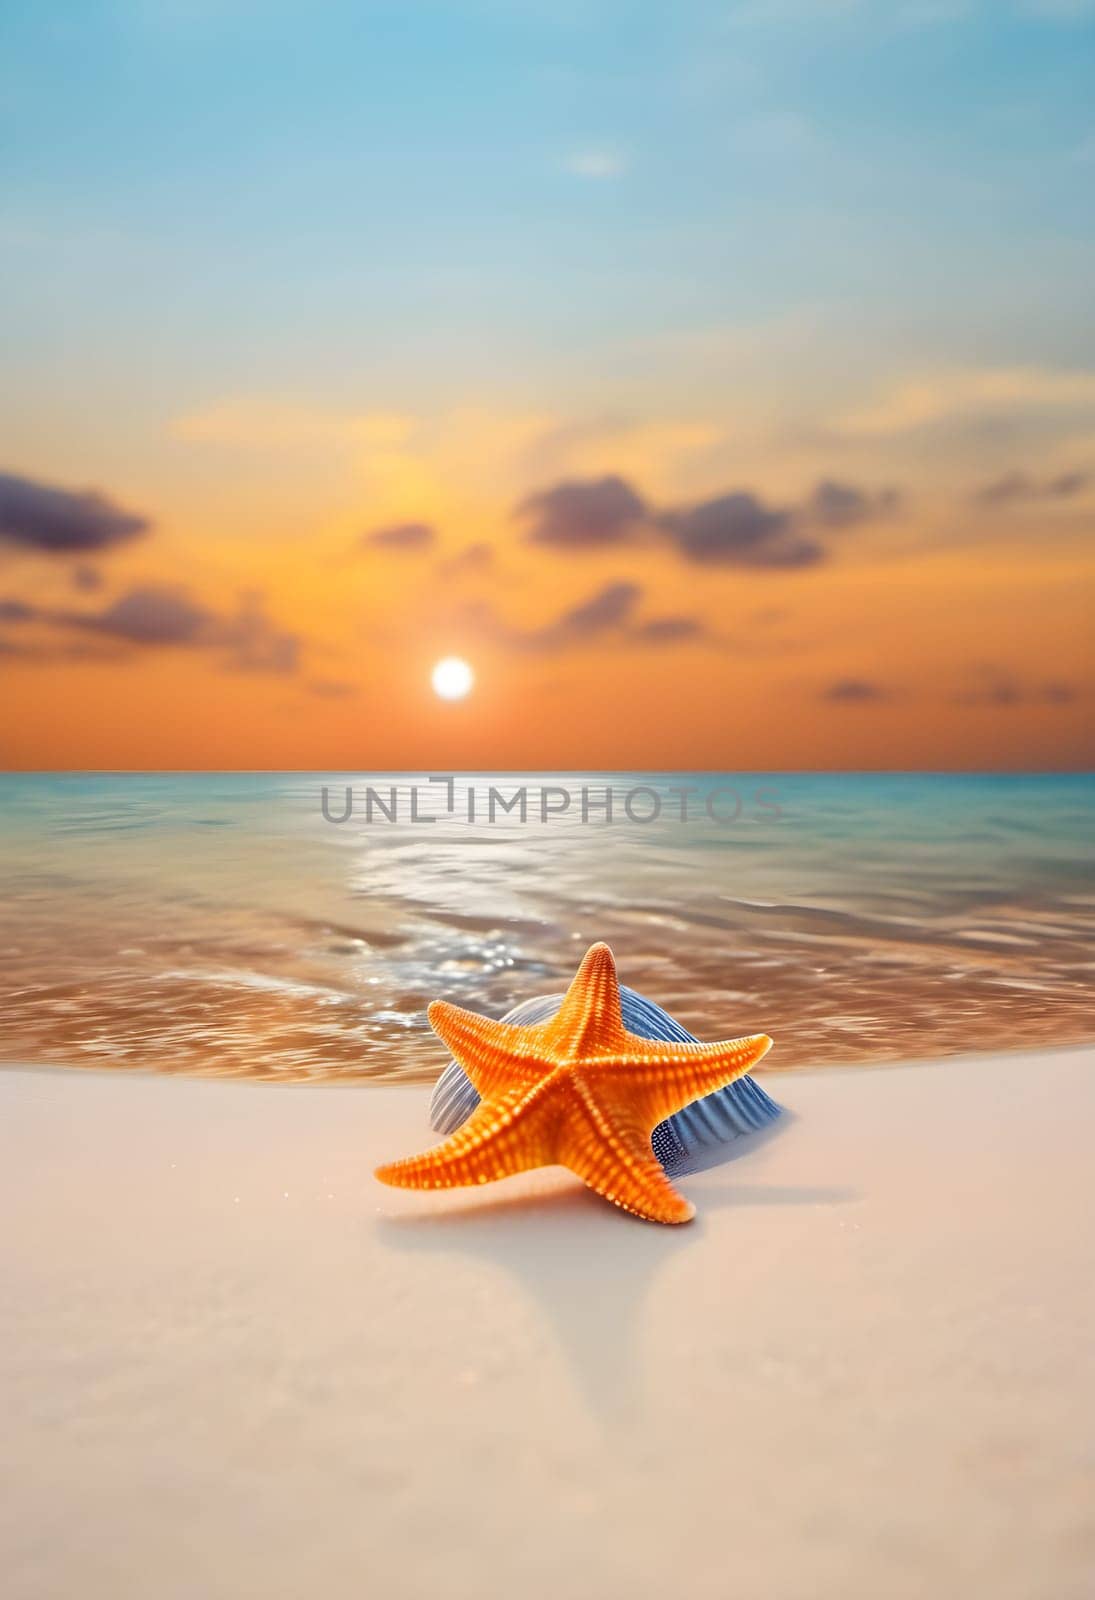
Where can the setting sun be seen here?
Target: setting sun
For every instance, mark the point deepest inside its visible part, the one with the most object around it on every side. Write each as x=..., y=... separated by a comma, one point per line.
x=452, y=678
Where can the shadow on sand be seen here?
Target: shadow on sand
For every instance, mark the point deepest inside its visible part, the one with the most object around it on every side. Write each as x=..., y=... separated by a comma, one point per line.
x=588, y=1268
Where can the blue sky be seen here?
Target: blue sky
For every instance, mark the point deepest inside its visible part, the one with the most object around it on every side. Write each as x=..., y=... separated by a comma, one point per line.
x=267, y=189
x=277, y=276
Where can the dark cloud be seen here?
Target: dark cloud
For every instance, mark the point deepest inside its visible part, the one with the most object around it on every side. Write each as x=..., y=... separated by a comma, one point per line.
x=164, y=615
x=583, y=514
x=842, y=505
x=1012, y=486
x=855, y=691
x=668, y=630
x=14, y=612
x=604, y=613
x=1000, y=689
x=733, y=529
x=473, y=558
x=1068, y=483
x=402, y=536
x=608, y=608
x=1003, y=693
x=607, y=614
x=740, y=530
x=71, y=650
x=1016, y=487
x=154, y=614
x=39, y=517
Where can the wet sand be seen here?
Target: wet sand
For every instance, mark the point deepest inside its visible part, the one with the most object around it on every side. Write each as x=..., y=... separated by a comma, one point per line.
x=234, y=1365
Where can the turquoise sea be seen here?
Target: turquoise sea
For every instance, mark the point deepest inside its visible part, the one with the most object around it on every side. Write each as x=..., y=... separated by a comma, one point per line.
x=221, y=924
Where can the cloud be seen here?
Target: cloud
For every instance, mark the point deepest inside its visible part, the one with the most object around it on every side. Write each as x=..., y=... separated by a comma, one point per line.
x=606, y=612
x=1000, y=689
x=1057, y=694
x=855, y=691
x=668, y=630
x=841, y=505
x=330, y=688
x=39, y=517
x=402, y=536
x=157, y=616
x=578, y=449
x=15, y=612
x=608, y=608
x=996, y=688
x=738, y=529
x=1016, y=487
x=968, y=395
x=86, y=577
x=733, y=529
x=77, y=650
x=473, y=558
x=609, y=613
x=583, y=514
x=254, y=643
x=596, y=163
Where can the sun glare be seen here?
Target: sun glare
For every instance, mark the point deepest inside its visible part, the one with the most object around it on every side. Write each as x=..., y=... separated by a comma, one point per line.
x=452, y=678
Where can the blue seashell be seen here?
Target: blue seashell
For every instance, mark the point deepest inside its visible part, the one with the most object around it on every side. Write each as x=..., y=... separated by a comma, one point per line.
x=684, y=1141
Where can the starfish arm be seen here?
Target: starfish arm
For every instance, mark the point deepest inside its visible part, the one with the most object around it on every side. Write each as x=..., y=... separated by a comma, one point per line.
x=495, y=1055
x=590, y=1014
x=504, y=1136
x=611, y=1154
x=656, y=1082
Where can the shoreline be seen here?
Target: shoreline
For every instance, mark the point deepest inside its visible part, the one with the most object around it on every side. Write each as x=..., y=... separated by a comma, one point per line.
x=768, y=1074
x=235, y=1363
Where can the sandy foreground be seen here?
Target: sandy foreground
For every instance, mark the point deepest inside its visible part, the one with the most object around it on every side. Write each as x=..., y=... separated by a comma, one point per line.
x=235, y=1366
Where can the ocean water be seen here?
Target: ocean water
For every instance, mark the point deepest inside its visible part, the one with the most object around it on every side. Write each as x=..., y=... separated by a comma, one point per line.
x=220, y=924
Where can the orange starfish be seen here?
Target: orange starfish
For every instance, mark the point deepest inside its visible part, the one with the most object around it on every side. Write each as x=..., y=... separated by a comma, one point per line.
x=578, y=1091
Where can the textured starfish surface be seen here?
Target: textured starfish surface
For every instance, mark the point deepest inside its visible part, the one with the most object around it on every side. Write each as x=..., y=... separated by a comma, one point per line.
x=579, y=1092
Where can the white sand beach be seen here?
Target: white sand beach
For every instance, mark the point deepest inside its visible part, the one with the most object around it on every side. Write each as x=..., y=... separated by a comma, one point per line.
x=234, y=1365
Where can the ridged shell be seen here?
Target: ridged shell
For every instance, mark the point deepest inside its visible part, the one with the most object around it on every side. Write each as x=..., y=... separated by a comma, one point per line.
x=684, y=1141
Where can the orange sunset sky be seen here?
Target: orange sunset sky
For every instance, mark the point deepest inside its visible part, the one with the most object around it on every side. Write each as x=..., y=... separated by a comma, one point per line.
x=721, y=389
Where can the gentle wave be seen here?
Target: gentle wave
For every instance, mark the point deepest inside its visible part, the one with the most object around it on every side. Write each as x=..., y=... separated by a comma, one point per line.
x=217, y=924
